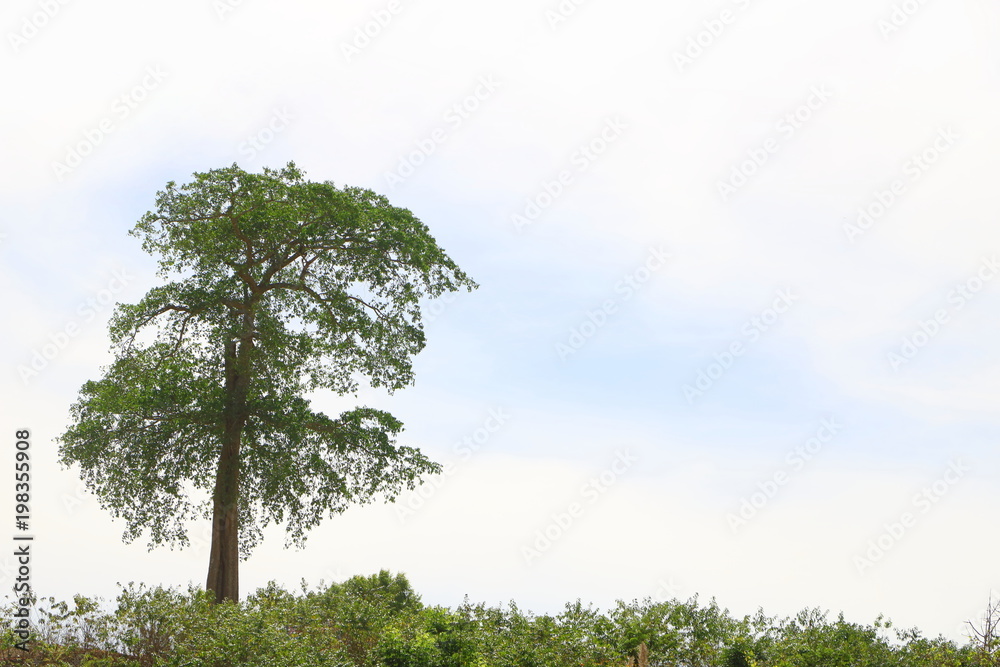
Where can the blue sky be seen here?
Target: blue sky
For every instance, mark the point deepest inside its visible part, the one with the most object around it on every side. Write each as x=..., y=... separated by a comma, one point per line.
x=820, y=179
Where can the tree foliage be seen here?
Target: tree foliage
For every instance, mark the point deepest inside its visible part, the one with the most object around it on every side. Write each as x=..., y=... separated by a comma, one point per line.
x=277, y=286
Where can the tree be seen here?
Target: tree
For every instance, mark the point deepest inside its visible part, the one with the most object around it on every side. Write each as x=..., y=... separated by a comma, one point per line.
x=986, y=636
x=281, y=286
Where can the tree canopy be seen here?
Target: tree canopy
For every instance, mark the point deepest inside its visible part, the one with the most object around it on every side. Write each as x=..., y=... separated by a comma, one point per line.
x=278, y=286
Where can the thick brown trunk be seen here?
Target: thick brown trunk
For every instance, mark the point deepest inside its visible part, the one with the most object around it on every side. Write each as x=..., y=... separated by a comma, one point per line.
x=224, y=558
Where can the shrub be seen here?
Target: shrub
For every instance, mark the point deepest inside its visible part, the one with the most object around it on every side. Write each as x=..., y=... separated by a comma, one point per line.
x=432, y=637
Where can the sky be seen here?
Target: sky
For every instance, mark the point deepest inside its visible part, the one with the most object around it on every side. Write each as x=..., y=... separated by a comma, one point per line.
x=735, y=334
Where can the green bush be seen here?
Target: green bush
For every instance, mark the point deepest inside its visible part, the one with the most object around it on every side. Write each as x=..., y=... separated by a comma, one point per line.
x=432, y=637
x=379, y=621
x=60, y=634
x=355, y=613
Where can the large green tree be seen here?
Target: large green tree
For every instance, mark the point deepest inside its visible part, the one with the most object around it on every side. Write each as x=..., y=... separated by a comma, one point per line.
x=280, y=286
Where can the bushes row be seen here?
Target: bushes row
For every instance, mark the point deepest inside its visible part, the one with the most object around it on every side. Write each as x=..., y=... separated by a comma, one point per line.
x=379, y=621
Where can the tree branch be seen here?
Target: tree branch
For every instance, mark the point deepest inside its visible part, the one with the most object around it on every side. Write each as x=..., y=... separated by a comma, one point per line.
x=311, y=292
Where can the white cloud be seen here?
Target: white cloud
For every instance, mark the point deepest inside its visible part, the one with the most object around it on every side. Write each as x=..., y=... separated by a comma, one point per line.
x=352, y=120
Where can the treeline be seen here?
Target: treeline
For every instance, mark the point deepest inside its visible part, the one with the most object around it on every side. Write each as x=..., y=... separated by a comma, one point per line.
x=379, y=621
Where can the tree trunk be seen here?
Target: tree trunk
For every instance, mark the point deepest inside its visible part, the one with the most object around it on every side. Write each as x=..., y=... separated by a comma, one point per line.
x=224, y=558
